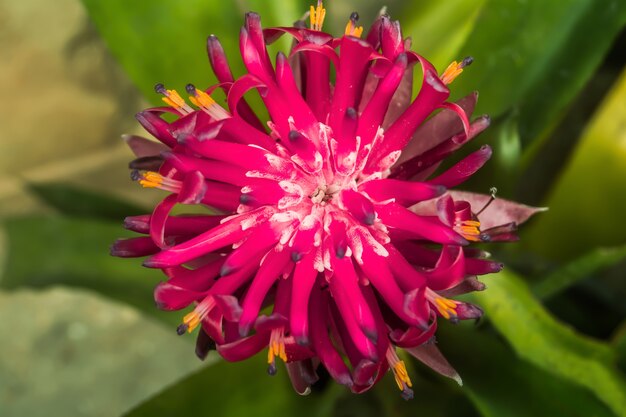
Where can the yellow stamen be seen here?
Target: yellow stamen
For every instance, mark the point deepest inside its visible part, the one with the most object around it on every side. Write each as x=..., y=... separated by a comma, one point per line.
x=202, y=99
x=469, y=229
x=351, y=28
x=174, y=99
x=401, y=375
x=151, y=179
x=455, y=69
x=206, y=103
x=276, y=346
x=446, y=307
x=317, y=15
x=192, y=320
x=398, y=368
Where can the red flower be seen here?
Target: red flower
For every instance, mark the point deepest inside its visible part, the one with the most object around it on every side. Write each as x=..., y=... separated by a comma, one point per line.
x=332, y=218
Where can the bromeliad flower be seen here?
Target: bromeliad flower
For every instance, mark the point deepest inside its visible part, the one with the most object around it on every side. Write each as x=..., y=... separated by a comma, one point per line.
x=334, y=243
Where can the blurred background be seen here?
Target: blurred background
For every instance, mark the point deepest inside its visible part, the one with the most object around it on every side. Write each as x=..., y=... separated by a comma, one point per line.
x=80, y=333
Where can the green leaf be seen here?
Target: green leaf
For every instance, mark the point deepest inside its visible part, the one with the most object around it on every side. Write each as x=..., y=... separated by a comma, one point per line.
x=552, y=346
x=165, y=41
x=578, y=270
x=438, y=28
x=77, y=202
x=588, y=203
x=77, y=354
x=47, y=251
x=537, y=55
x=500, y=384
x=238, y=389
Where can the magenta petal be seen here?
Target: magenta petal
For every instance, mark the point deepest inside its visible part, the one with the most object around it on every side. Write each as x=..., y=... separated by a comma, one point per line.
x=134, y=247
x=423, y=165
x=304, y=277
x=376, y=109
x=359, y=206
x=381, y=278
x=260, y=241
x=159, y=218
x=243, y=348
x=143, y=147
x=228, y=306
x=413, y=336
x=467, y=311
x=253, y=25
x=394, y=215
x=463, y=170
x=268, y=323
x=227, y=233
x=214, y=170
x=170, y=297
x=406, y=274
x=449, y=270
x=404, y=192
x=200, y=279
x=437, y=129
x=345, y=286
x=266, y=276
x=430, y=96
x=322, y=343
x=157, y=127
x=352, y=69
x=193, y=189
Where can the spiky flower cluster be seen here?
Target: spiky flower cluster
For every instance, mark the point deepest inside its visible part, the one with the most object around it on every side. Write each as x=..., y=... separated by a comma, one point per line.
x=329, y=241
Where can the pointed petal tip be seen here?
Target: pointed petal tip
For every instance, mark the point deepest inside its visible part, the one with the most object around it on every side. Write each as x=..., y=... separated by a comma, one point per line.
x=302, y=341
x=372, y=334
x=457, y=379
x=154, y=263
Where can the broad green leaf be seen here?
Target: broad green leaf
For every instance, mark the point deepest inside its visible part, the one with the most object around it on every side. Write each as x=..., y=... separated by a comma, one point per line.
x=552, y=346
x=238, y=389
x=588, y=203
x=438, y=28
x=165, y=41
x=501, y=384
x=76, y=202
x=619, y=342
x=74, y=353
x=578, y=270
x=47, y=251
x=537, y=55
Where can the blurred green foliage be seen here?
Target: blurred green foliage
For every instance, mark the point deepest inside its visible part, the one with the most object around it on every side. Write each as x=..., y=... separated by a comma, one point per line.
x=533, y=59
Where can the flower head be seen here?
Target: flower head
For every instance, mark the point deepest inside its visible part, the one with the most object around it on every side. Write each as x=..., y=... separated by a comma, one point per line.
x=328, y=240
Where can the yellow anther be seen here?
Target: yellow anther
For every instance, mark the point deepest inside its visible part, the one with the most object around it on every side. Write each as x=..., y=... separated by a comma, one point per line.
x=455, y=69
x=469, y=229
x=398, y=368
x=202, y=99
x=446, y=307
x=276, y=346
x=317, y=15
x=351, y=28
x=174, y=99
x=401, y=375
x=191, y=320
x=151, y=179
